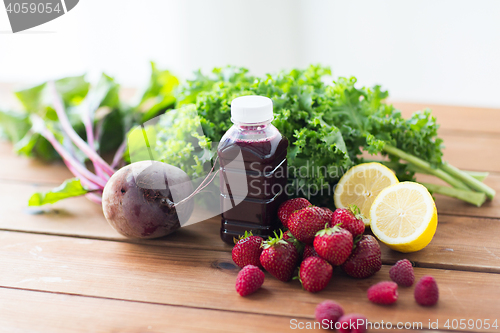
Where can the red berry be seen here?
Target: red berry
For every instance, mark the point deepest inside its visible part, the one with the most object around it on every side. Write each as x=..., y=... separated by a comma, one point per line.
x=365, y=260
x=288, y=207
x=315, y=273
x=247, y=251
x=402, y=273
x=352, y=323
x=350, y=219
x=249, y=280
x=385, y=292
x=287, y=235
x=305, y=223
x=309, y=251
x=328, y=313
x=279, y=258
x=334, y=245
x=426, y=291
x=328, y=212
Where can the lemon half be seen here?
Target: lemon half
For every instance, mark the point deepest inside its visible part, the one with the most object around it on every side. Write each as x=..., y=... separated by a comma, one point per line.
x=361, y=185
x=404, y=217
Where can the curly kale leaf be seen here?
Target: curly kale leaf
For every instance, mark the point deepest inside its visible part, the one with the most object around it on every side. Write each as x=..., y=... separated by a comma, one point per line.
x=329, y=125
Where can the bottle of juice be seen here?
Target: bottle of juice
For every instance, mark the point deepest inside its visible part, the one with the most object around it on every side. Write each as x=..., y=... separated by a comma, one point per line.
x=253, y=170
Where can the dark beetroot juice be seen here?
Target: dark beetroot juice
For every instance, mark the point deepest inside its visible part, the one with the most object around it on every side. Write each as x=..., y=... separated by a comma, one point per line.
x=252, y=157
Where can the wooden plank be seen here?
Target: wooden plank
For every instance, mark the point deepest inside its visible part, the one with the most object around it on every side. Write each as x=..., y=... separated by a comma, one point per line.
x=205, y=279
x=447, y=205
x=31, y=311
x=457, y=118
x=81, y=218
x=21, y=168
x=52, y=312
x=460, y=242
x=472, y=152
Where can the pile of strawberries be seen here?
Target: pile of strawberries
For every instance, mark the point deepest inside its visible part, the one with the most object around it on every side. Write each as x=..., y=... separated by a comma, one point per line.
x=317, y=239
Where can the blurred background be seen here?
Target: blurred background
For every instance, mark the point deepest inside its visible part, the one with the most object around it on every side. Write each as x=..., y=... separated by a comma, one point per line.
x=444, y=52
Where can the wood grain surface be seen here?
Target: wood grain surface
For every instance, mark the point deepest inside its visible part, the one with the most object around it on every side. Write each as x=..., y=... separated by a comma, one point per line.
x=205, y=279
x=56, y=312
x=63, y=269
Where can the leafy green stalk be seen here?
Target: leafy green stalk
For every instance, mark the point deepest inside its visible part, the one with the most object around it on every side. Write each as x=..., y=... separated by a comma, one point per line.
x=70, y=188
x=426, y=166
x=475, y=198
x=469, y=180
x=329, y=125
x=479, y=175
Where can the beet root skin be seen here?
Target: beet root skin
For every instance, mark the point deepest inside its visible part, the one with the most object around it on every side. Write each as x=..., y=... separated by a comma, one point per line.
x=138, y=199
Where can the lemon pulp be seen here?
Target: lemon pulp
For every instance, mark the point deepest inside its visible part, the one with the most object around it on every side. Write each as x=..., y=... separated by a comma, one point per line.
x=404, y=217
x=360, y=186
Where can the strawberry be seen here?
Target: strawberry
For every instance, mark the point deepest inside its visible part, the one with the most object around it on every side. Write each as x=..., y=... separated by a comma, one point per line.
x=314, y=274
x=309, y=251
x=352, y=323
x=249, y=280
x=247, y=250
x=333, y=244
x=426, y=291
x=287, y=235
x=328, y=212
x=402, y=273
x=385, y=292
x=288, y=207
x=305, y=223
x=292, y=240
x=279, y=257
x=365, y=260
x=350, y=219
x=330, y=311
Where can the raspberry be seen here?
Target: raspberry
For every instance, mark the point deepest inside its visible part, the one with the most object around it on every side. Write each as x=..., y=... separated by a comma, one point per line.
x=330, y=311
x=426, y=291
x=249, y=280
x=402, y=273
x=385, y=292
x=352, y=323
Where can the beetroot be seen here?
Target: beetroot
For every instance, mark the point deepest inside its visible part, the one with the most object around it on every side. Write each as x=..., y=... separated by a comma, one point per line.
x=138, y=200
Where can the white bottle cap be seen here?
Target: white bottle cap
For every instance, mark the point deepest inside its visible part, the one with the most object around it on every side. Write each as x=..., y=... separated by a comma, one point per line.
x=251, y=109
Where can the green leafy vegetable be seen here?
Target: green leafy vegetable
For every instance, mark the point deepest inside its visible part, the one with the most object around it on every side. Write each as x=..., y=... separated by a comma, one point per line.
x=15, y=125
x=329, y=126
x=158, y=96
x=76, y=121
x=70, y=188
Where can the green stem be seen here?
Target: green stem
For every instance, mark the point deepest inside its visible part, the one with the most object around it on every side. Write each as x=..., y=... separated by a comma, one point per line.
x=479, y=175
x=426, y=166
x=469, y=180
x=475, y=198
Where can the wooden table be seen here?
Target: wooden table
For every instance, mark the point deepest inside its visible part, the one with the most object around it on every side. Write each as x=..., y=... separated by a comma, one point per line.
x=63, y=269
